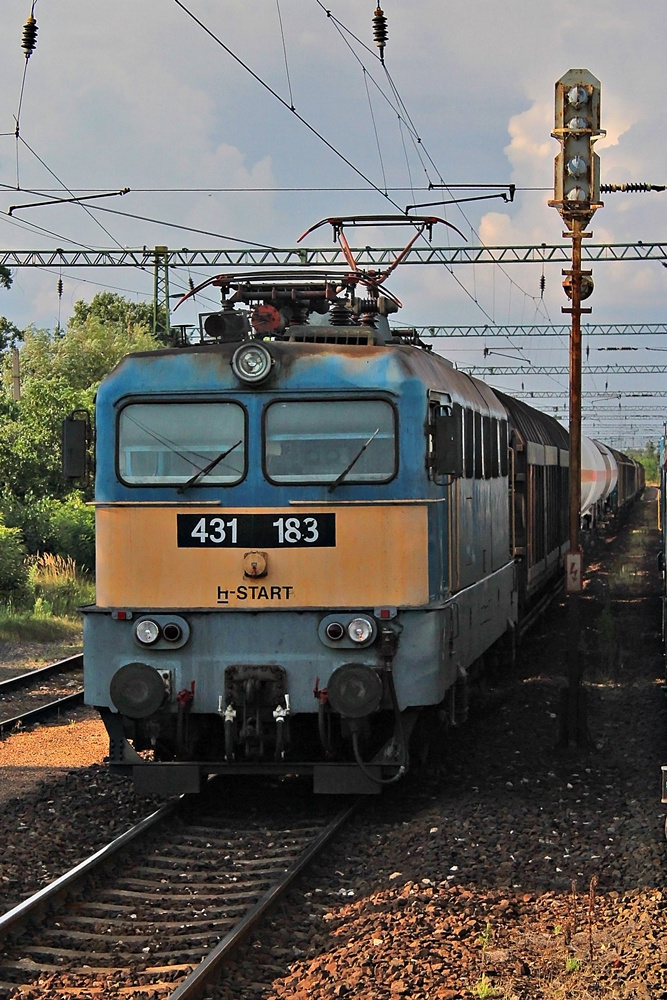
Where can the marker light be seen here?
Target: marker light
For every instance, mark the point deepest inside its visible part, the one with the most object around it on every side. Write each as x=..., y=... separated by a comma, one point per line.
x=360, y=630
x=172, y=632
x=577, y=194
x=251, y=362
x=147, y=632
x=577, y=97
x=577, y=166
x=578, y=124
x=335, y=631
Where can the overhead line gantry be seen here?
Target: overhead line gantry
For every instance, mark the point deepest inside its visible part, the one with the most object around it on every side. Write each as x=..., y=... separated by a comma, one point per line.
x=145, y=257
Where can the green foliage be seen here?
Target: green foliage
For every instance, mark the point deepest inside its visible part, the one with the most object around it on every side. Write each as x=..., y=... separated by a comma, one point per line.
x=60, y=372
x=9, y=334
x=58, y=586
x=111, y=308
x=40, y=512
x=648, y=457
x=13, y=571
x=484, y=988
x=64, y=527
x=5, y=277
x=25, y=626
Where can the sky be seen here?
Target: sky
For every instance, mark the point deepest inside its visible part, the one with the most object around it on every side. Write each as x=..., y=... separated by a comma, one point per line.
x=137, y=94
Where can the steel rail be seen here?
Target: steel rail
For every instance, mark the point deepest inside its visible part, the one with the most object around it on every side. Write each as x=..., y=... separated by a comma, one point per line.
x=34, y=905
x=145, y=257
x=42, y=712
x=61, y=666
x=195, y=984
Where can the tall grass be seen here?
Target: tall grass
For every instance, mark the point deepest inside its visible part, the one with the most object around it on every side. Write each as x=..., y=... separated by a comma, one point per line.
x=58, y=586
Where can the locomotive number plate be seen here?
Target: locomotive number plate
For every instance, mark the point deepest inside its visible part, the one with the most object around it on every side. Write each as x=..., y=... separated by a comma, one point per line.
x=253, y=531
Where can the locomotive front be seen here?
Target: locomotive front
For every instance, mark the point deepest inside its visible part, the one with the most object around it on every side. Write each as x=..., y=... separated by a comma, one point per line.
x=263, y=519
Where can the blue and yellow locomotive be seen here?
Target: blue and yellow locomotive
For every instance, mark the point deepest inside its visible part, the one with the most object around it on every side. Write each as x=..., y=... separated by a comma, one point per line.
x=306, y=537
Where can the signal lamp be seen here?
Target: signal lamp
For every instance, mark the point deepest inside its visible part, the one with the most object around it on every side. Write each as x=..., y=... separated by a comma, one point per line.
x=577, y=166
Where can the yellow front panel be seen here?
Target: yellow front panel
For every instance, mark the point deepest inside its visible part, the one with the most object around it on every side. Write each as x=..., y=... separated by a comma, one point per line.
x=380, y=558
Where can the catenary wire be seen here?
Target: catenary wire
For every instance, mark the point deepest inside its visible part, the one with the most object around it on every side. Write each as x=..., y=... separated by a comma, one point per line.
x=277, y=96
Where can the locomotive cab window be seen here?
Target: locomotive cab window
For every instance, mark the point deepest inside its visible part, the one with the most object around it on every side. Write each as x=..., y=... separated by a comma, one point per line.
x=330, y=441
x=167, y=444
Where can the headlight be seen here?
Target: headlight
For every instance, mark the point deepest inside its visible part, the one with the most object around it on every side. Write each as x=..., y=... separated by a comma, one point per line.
x=147, y=632
x=251, y=362
x=354, y=690
x=360, y=630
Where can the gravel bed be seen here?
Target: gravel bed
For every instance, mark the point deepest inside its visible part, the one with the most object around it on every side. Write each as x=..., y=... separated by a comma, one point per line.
x=508, y=868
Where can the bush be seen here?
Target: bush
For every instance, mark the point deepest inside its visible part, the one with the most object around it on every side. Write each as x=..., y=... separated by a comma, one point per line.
x=62, y=527
x=13, y=571
x=73, y=531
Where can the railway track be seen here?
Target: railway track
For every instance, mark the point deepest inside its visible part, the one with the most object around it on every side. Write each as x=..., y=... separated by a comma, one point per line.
x=157, y=911
x=39, y=685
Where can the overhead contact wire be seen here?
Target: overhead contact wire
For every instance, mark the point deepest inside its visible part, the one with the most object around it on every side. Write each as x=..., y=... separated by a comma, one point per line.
x=284, y=103
x=377, y=137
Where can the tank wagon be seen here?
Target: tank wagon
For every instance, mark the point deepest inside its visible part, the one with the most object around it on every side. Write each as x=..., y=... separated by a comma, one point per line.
x=309, y=532
x=609, y=481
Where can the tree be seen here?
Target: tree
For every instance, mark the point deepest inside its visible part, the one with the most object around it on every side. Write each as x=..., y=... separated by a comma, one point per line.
x=9, y=334
x=108, y=307
x=60, y=372
x=5, y=277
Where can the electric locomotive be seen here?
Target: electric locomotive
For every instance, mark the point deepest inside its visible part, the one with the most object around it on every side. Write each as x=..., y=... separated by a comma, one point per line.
x=304, y=542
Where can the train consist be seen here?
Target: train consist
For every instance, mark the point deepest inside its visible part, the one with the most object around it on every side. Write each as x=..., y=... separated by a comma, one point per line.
x=310, y=530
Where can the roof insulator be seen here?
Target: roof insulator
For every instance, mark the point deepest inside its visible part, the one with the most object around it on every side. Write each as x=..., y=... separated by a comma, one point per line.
x=29, y=36
x=380, y=33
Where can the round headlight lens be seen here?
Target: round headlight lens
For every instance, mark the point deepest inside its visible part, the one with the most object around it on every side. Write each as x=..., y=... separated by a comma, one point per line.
x=251, y=362
x=147, y=632
x=360, y=630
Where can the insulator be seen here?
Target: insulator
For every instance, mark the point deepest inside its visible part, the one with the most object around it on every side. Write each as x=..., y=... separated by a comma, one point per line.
x=191, y=284
x=543, y=285
x=60, y=288
x=380, y=33
x=29, y=36
x=631, y=187
x=339, y=314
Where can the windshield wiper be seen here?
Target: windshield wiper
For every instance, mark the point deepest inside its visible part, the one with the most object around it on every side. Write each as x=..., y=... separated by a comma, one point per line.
x=207, y=468
x=354, y=461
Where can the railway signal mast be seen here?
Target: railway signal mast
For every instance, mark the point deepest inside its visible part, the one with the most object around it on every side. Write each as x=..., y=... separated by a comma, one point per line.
x=577, y=198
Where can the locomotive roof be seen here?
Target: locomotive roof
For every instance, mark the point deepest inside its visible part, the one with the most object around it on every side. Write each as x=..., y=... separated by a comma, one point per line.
x=207, y=368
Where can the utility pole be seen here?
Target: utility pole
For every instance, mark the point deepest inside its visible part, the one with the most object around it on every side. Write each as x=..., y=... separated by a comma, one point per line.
x=577, y=197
